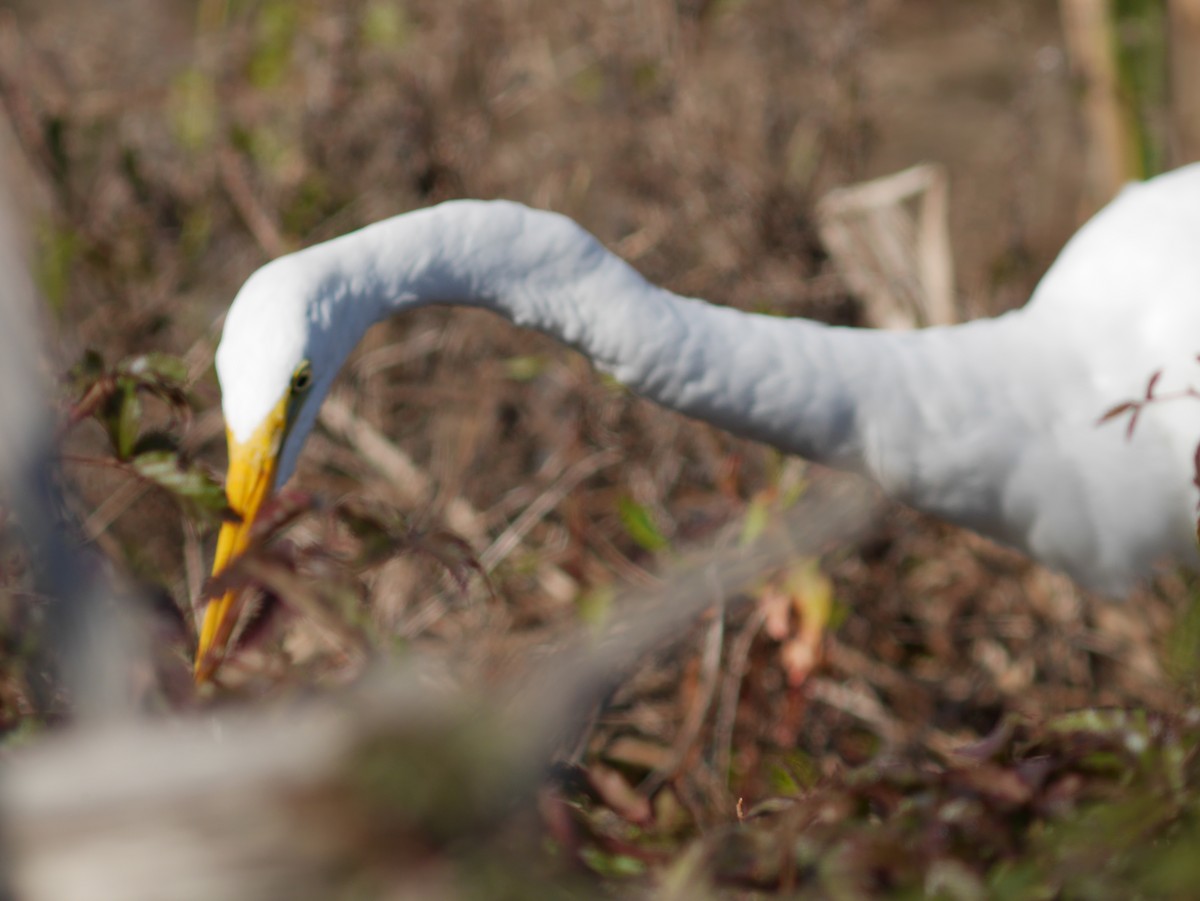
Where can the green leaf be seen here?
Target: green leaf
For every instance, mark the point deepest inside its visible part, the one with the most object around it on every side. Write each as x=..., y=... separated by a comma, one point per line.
x=595, y=605
x=128, y=420
x=57, y=250
x=755, y=521
x=782, y=781
x=524, y=369
x=276, y=29
x=588, y=84
x=618, y=866
x=121, y=415
x=193, y=110
x=199, y=494
x=640, y=525
x=386, y=24
x=312, y=201
x=155, y=367
x=162, y=375
x=113, y=395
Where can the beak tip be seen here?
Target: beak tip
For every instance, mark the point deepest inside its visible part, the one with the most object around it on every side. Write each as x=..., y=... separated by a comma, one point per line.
x=215, y=632
x=202, y=671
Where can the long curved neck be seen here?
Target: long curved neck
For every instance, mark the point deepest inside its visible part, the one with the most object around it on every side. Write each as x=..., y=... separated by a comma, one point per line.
x=828, y=394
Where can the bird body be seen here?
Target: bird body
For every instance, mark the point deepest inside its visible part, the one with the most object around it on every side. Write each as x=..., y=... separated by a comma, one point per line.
x=992, y=424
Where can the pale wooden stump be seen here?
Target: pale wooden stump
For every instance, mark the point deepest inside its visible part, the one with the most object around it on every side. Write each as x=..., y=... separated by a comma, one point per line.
x=890, y=240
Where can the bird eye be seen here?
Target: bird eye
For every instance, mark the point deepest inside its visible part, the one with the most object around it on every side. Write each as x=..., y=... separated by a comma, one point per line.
x=302, y=378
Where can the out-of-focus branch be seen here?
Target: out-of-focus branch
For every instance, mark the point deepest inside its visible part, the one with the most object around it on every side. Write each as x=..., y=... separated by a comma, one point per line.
x=276, y=804
x=79, y=634
x=1111, y=145
x=1183, y=18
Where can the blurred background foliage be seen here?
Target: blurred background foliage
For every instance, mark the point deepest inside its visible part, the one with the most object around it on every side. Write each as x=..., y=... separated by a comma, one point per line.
x=163, y=151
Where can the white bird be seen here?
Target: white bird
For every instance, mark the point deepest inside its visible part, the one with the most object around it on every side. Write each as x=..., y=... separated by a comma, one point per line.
x=991, y=424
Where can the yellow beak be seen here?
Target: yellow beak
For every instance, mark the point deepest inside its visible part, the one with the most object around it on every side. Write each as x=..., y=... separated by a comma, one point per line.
x=251, y=474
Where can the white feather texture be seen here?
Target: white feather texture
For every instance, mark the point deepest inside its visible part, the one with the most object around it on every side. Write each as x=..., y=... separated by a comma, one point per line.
x=992, y=424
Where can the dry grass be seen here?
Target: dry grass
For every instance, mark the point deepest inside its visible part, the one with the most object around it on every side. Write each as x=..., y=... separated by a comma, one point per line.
x=165, y=155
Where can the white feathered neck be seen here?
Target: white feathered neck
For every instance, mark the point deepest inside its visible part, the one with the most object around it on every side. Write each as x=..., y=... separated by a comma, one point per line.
x=991, y=424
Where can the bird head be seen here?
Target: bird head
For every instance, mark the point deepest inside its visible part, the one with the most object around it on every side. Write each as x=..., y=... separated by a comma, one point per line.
x=273, y=367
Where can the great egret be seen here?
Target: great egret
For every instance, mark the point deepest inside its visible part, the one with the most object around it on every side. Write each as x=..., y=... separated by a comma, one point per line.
x=991, y=424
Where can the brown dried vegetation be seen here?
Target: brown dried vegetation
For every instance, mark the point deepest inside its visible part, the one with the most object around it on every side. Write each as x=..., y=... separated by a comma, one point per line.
x=166, y=154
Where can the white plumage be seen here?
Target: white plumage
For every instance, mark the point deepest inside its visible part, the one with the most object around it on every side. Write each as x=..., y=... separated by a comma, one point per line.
x=992, y=424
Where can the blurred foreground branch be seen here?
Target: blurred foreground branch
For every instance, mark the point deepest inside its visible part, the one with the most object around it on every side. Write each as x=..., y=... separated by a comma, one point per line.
x=81, y=636
x=285, y=803
x=1184, y=50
